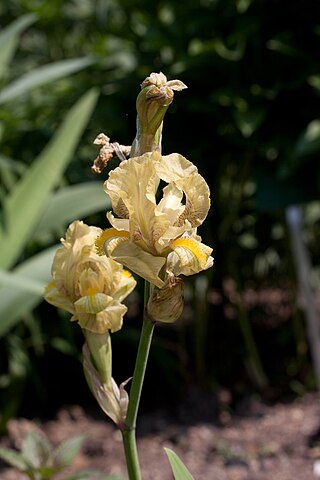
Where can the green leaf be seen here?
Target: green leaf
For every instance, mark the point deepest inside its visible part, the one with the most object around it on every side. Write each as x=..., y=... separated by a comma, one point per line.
x=179, y=470
x=24, y=206
x=14, y=281
x=14, y=459
x=45, y=473
x=16, y=302
x=9, y=37
x=66, y=451
x=71, y=203
x=36, y=450
x=9, y=171
x=43, y=75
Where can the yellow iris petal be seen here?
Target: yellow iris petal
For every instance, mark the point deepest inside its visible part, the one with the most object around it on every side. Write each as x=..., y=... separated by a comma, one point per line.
x=192, y=246
x=93, y=303
x=87, y=285
x=189, y=256
x=108, y=235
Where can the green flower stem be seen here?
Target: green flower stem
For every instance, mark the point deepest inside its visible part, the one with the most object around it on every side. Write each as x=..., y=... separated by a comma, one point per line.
x=129, y=430
x=146, y=142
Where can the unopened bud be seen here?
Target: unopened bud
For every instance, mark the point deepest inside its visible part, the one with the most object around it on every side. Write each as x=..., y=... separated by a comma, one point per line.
x=99, y=346
x=112, y=399
x=166, y=304
x=152, y=103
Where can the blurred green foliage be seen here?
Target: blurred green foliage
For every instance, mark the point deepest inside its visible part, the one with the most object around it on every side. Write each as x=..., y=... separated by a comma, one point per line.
x=39, y=460
x=249, y=121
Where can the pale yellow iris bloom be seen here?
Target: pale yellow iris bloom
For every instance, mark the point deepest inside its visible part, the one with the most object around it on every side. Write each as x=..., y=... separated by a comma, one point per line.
x=87, y=285
x=156, y=237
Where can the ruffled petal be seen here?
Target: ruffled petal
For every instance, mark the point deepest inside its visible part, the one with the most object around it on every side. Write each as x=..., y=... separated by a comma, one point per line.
x=109, y=319
x=184, y=175
x=135, y=182
x=92, y=303
x=87, y=284
x=189, y=256
x=119, y=223
x=130, y=183
x=125, y=285
x=55, y=297
x=170, y=204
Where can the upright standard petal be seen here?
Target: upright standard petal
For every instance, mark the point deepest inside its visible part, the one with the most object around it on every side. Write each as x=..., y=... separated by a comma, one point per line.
x=177, y=170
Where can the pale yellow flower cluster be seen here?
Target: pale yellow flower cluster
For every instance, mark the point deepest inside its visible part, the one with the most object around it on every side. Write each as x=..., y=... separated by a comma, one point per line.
x=87, y=285
x=158, y=203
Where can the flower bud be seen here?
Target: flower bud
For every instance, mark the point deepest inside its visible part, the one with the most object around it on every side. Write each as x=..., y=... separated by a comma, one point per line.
x=166, y=304
x=99, y=346
x=152, y=103
x=112, y=399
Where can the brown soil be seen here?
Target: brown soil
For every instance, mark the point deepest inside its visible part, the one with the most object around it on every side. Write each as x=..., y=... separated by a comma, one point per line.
x=262, y=442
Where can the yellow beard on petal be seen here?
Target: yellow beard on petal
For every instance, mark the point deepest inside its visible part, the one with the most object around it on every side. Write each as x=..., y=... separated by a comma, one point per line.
x=106, y=235
x=193, y=246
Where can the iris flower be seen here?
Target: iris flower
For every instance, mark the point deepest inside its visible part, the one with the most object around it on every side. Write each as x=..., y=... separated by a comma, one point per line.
x=92, y=287
x=87, y=285
x=156, y=236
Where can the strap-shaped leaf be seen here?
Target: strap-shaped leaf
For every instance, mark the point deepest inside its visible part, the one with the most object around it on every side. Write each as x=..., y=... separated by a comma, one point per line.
x=71, y=203
x=179, y=470
x=9, y=37
x=24, y=206
x=43, y=75
x=16, y=300
x=14, y=281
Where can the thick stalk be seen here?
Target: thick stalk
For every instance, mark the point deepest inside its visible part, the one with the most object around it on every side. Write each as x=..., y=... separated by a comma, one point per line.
x=129, y=431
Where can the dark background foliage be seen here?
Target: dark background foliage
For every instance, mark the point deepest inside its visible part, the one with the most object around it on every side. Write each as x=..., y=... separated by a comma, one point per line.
x=249, y=121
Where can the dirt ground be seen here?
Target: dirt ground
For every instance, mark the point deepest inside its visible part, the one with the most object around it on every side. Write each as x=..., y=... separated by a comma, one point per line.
x=260, y=442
